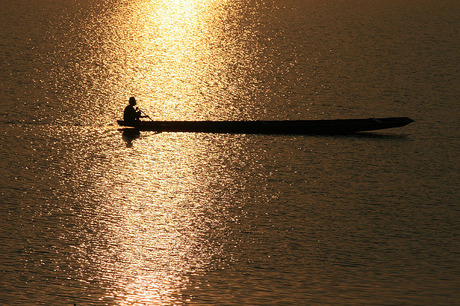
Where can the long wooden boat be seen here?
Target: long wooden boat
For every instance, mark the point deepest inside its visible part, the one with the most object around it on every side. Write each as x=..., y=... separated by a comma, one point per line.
x=298, y=127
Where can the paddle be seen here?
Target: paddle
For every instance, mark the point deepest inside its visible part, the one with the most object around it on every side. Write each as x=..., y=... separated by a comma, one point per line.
x=145, y=115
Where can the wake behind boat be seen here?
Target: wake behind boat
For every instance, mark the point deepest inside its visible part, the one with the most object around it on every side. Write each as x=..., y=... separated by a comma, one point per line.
x=296, y=127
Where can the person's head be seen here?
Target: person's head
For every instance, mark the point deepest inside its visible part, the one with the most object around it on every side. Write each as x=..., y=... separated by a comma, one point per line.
x=132, y=101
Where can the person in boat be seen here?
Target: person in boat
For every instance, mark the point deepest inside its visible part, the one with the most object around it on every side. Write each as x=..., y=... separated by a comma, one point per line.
x=132, y=114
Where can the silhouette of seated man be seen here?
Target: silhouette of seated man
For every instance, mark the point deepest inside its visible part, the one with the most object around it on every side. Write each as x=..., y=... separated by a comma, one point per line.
x=132, y=114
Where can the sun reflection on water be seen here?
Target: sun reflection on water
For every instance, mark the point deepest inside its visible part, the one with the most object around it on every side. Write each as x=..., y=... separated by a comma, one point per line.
x=190, y=59
x=179, y=57
x=163, y=217
x=165, y=54
x=157, y=212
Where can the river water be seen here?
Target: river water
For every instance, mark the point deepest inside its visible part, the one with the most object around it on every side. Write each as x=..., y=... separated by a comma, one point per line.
x=91, y=216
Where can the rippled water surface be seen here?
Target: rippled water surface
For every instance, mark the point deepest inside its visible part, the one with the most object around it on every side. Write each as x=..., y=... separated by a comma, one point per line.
x=92, y=215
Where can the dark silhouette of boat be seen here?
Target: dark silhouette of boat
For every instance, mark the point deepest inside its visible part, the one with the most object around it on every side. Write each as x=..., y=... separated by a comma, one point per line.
x=297, y=127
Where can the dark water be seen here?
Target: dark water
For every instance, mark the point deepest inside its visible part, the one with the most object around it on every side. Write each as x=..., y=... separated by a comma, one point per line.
x=91, y=216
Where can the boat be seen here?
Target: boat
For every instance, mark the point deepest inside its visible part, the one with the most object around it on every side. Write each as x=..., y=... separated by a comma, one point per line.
x=296, y=127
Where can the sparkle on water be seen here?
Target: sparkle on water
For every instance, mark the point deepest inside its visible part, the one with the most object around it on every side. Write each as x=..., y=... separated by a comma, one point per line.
x=150, y=230
x=101, y=216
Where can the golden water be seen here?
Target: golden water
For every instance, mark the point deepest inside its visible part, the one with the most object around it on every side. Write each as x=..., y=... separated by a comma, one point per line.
x=91, y=215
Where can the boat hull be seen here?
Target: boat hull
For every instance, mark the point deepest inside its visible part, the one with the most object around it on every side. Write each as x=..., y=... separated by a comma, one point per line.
x=338, y=126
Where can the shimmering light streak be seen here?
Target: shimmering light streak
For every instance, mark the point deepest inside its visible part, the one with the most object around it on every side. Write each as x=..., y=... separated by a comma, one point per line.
x=158, y=217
